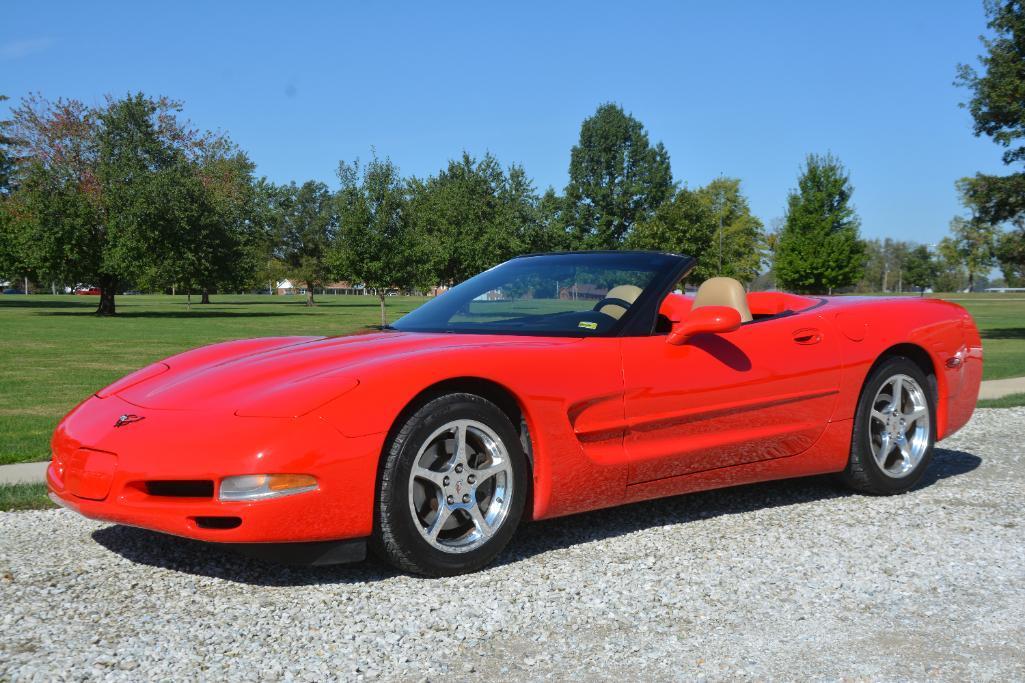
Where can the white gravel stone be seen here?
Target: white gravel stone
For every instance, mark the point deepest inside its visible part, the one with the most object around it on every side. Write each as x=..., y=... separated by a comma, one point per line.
x=787, y=580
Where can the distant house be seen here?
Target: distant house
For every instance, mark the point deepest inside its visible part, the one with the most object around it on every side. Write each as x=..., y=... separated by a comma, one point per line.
x=286, y=287
x=584, y=291
x=344, y=287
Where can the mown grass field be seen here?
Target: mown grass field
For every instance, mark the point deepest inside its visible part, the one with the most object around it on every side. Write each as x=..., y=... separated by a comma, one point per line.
x=24, y=497
x=54, y=352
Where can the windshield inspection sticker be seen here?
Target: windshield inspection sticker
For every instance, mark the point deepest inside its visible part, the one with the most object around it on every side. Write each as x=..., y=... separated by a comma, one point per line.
x=587, y=325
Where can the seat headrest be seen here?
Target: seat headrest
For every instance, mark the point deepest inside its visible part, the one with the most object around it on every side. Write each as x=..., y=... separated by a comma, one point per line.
x=723, y=291
x=627, y=293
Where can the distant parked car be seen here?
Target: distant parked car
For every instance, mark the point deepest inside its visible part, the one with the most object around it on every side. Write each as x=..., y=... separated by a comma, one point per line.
x=14, y=290
x=88, y=291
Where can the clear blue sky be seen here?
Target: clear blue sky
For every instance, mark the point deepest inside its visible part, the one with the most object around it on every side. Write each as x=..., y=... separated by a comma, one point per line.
x=744, y=89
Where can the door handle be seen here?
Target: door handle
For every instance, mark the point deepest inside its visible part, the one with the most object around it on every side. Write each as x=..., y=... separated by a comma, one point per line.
x=807, y=336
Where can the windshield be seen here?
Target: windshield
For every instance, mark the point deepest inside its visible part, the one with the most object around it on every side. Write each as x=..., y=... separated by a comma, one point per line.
x=573, y=294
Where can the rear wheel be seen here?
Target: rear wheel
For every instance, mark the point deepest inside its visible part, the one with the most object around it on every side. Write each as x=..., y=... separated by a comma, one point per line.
x=894, y=430
x=452, y=487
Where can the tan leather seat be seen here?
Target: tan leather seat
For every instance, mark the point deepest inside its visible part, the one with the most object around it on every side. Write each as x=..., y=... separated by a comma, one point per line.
x=723, y=291
x=627, y=293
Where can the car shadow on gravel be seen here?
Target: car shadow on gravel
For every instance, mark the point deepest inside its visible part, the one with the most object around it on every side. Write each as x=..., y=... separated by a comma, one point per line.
x=208, y=559
x=564, y=532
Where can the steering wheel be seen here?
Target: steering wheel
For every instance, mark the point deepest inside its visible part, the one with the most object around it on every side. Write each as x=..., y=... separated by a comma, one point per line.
x=613, y=301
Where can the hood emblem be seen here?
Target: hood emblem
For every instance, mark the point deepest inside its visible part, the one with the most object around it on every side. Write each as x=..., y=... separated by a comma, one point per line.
x=127, y=420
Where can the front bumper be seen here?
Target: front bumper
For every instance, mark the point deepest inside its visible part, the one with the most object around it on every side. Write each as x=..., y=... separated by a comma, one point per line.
x=103, y=473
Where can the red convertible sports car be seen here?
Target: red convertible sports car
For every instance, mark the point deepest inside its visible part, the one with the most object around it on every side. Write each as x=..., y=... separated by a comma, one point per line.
x=548, y=385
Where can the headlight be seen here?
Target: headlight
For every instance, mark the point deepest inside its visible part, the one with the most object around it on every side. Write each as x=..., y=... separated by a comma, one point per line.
x=261, y=486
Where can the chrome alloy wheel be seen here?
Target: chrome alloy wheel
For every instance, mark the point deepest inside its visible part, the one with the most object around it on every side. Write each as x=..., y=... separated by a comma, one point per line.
x=899, y=428
x=460, y=487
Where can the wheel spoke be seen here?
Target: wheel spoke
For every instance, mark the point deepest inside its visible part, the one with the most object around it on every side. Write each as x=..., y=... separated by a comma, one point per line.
x=898, y=392
x=883, y=451
x=460, y=449
x=915, y=415
x=443, y=514
x=435, y=478
x=878, y=416
x=478, y=521
x=485, y=473
x=905, y=451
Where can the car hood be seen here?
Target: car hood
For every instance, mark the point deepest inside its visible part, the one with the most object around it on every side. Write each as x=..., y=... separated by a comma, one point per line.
x=284, y=376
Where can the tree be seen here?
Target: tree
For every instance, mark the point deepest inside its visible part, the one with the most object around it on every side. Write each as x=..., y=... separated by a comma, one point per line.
x=819, y=249
x=885, y=263
x=10, y=264
x=950, y=275
x=1010, y=253
x=687, y=225
x=739, y=240
x=972, y=244
x=476, y=216
x=616, y=179
x=378, y=245
x=998, y=109
x=304, y=222
x=92, y=191
x=690, y=224
x=543, y=227
x=232, y=251
x=920, y=269
x=7, y=156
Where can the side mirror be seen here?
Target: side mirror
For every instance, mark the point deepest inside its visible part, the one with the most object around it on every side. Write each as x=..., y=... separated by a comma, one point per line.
x=704, y=320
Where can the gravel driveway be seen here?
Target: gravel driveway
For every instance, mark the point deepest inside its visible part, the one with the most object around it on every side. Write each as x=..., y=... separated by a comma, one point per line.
x=784, y=580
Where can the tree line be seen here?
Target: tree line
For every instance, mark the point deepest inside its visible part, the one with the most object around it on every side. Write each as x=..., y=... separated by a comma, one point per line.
x=128, y=194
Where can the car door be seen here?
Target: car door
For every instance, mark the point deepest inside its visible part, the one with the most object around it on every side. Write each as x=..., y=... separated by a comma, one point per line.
x=765, y=390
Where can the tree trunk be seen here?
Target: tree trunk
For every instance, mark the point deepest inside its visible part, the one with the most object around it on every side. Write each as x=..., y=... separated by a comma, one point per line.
x=922, y=292
x=971, y=281
x=108, y=287
x=188, y=300
x=309, y=294
x=206, y=296
x=380, y=297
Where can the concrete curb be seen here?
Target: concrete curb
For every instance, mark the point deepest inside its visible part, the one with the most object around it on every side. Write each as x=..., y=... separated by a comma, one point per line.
x=998, y=388
x=23, y=473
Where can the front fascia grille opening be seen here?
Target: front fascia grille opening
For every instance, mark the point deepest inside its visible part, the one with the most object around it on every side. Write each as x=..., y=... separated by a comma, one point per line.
x=218, y=522
x=181, y=489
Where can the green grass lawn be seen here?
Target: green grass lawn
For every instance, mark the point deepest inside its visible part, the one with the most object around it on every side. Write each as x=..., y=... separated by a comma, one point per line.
x=24, y=497
x=1001, y=320
x=54, y=352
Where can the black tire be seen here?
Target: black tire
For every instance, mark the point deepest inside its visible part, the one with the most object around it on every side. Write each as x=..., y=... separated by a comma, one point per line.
x=397, y=538
x=863, y=473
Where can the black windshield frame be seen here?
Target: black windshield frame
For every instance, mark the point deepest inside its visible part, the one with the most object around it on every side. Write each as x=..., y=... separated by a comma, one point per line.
x=638, y=321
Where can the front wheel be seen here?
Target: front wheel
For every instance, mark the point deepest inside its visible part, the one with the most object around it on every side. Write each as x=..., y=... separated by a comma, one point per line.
x=452, y=488
x=894, y=430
